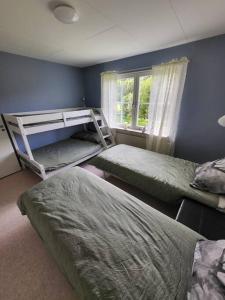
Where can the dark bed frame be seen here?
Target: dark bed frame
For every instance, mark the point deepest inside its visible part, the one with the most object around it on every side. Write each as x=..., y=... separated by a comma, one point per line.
x=203, y=219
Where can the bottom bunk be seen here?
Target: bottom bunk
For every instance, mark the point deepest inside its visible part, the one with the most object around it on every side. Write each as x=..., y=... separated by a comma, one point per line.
x=50, y=159
x=65, y=152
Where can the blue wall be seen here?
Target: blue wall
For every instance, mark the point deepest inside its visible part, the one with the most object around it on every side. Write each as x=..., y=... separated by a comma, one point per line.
x=30, y=84
x=199, y=137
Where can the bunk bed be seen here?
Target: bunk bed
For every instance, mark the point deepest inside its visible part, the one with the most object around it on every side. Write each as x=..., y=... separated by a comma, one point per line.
x=51, y=159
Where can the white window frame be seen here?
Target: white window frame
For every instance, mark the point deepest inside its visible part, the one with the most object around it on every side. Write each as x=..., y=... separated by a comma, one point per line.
x=135, y=104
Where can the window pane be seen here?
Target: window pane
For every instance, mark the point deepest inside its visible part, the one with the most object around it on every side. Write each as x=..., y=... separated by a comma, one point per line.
x=125, y=95
x=145, y=83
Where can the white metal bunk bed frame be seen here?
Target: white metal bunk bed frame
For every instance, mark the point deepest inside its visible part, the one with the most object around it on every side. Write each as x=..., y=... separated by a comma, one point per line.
x=28, y=123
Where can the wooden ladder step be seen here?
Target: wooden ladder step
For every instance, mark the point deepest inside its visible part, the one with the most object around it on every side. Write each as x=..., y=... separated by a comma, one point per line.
x=106, y=136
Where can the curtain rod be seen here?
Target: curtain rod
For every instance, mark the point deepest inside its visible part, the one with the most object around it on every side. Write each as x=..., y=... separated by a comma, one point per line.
x=148, y=67
x=127, y=71
x=135, y=70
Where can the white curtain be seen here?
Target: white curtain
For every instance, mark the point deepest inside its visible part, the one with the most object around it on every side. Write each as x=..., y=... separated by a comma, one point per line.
x=164, y=106
x=108, y=96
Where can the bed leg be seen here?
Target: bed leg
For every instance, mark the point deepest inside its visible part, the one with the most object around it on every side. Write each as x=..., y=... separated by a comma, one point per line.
x=23, y=165
x=43, y=173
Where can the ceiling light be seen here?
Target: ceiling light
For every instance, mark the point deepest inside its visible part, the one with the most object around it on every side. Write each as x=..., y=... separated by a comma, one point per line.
x=221, y=121
x=66, y=14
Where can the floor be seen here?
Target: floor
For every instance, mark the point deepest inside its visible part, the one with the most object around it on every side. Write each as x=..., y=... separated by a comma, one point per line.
x=27, y=271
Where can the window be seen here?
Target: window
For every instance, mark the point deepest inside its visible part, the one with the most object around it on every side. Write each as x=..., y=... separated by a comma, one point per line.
x=132, y=99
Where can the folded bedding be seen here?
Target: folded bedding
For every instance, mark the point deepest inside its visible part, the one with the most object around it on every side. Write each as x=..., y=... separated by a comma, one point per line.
x=164, y=177
x=109, y=244
x=210, y=177
x=64, y=152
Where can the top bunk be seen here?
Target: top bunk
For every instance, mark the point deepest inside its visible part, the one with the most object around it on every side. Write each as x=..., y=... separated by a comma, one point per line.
x=40, y=121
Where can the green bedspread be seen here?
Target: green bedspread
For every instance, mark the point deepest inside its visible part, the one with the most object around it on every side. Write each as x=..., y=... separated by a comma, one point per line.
x=64, y=152
x=163, y=177
x=109, y=244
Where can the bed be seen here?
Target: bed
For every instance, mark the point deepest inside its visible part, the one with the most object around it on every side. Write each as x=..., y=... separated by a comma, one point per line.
x=49, y=160
x=65, y=152
x=164, y=177
x=109, y=244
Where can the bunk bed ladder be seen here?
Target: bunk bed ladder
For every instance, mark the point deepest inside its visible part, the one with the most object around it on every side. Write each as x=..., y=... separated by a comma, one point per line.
x=103, y=130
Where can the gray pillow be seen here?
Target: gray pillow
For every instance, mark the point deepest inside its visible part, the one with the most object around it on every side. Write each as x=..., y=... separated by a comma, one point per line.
x=90, y=136
x=208, y=271
x=210, y=177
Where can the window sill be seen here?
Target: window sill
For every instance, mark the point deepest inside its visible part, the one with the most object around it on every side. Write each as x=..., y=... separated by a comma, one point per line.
x=129, y=131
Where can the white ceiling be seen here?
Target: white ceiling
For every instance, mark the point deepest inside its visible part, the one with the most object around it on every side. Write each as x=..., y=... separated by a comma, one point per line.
x=107, y=29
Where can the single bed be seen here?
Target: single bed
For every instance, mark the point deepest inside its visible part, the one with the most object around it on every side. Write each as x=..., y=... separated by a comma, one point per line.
x=65, y=152
x=164, y=177
x=109, y=244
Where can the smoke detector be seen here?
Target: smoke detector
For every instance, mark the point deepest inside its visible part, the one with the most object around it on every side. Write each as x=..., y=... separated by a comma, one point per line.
x=66, y=14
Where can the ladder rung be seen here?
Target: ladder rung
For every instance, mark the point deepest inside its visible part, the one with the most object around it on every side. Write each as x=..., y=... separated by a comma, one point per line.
x=106, y=136
x=103, y=126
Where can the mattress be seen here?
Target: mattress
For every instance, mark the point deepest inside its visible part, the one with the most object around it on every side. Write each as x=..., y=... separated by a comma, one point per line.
x=109, y=244
x=64, y=152
x=164, y=177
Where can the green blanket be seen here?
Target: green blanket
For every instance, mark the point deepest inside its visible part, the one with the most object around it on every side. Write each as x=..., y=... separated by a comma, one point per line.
x=109, y=244
x=163, y=177
x=64, y=152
